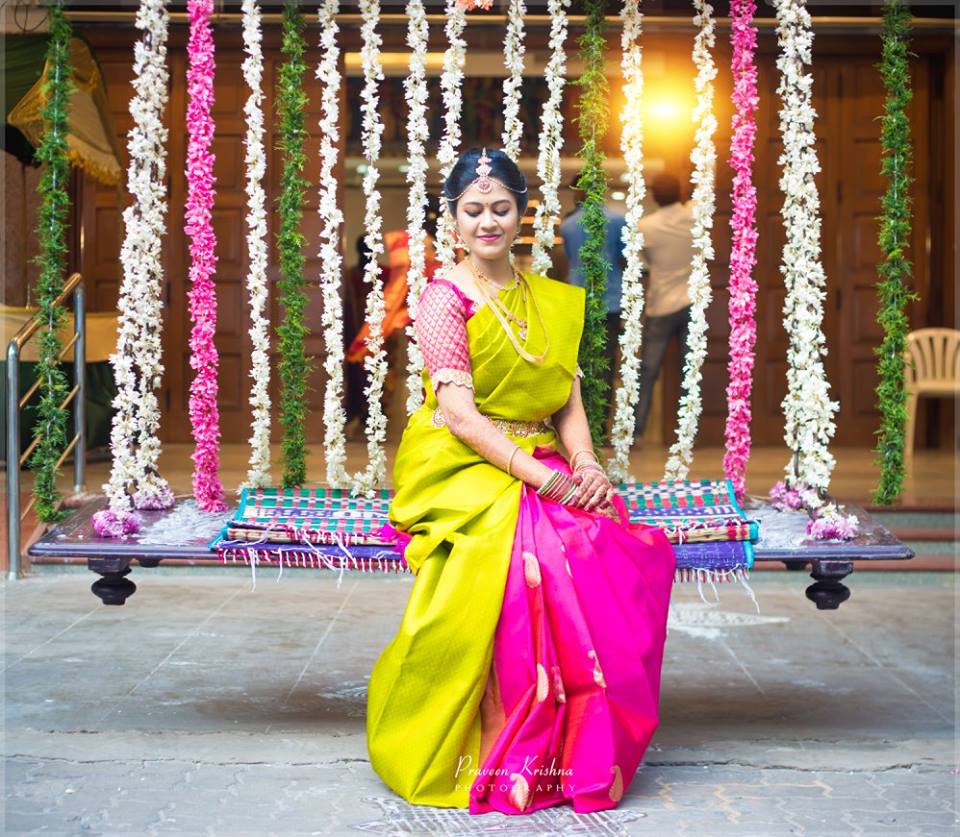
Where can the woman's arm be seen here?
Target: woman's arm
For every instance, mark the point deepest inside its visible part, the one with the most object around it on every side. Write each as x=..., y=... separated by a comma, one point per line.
x=573, y=429
x=442, y=336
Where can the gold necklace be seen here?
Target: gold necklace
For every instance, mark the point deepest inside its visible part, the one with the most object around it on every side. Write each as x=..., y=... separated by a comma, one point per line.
x=496, y=307
x=495, y=301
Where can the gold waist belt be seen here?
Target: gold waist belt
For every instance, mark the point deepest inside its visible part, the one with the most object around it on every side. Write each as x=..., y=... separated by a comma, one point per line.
x=508, y=426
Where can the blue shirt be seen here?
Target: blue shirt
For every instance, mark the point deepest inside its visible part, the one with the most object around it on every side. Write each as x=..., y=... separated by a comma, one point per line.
x=574, y=237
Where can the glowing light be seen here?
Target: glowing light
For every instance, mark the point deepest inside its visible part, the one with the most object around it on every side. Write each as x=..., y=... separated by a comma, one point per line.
x=665, y=109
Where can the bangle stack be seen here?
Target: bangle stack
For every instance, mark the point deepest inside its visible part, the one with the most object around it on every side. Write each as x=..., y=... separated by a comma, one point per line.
x=558, y=486
x=576, y=453
x=586, y=466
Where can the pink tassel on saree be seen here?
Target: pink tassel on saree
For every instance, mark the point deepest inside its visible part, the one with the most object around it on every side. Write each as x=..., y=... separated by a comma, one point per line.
x=572, y=699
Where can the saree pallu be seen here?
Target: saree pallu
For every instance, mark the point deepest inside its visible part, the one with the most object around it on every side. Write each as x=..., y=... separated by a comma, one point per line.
x=526, y=669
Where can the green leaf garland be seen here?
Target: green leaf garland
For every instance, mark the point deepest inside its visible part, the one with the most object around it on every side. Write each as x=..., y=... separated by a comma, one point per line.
x=294, y=367
x=894, y=239
x=50, y=427
x=592, y=117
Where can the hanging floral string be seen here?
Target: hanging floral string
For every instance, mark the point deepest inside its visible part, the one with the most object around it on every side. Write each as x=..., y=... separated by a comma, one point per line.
x=513, y=52
x=50, y=428
x=450, y=85
x=294, y=367
x=743, y=287
x=807, y=407
x=895, y=269
x=415, y=87
x=704, y=159
x=375, y=362
x=593, y=109
x=256, y=163
x=631, y=305
x=135, y=481
x=204, y=417
x=331, y=219
x=551, y=140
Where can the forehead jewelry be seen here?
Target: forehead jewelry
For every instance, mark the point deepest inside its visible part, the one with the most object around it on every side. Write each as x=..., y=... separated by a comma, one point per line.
x=483, y=181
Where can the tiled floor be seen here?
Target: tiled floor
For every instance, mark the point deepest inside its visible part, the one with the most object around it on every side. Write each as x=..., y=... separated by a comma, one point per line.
x=204, y=706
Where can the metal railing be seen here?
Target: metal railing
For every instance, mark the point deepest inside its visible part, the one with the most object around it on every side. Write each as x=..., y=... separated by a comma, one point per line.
x=15, y=403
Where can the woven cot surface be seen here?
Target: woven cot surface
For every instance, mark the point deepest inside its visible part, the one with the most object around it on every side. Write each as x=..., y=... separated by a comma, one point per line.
x=324, y=527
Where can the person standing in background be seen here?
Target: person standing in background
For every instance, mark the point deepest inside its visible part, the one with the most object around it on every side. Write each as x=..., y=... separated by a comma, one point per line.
x=574, y=237
x=354, y=317
x=396, y=316
x=667, y=254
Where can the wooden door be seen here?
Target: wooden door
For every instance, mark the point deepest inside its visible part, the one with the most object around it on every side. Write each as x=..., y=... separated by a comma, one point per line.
x=101, y=218
x=855, y=332
x=848, y=99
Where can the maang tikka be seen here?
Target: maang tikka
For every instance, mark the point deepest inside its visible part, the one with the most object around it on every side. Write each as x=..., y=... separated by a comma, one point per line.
x=483, y=181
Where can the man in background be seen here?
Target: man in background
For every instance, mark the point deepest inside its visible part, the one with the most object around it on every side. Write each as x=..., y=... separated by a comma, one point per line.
x=574, y=237
x=667, y=253
x=396, y=316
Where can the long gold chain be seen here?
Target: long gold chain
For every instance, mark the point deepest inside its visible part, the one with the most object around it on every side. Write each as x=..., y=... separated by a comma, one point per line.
x=494, y=289
x=500, y=311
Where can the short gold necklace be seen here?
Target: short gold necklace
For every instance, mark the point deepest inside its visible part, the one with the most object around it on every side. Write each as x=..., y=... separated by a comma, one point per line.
x=500, y=311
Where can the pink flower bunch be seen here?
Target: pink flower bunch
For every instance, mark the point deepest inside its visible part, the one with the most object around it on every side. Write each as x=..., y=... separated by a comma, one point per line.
x=204, y=416
x=829, y=523
x=743, y=287
x=826, y=520
x=470, y=5
x=111, y=524
x=786, y=498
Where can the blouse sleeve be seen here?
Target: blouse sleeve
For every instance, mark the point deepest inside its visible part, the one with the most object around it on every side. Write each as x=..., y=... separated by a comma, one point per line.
x=441, y=331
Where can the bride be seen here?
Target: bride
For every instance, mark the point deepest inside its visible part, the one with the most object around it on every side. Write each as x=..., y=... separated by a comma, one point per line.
x=526, y=670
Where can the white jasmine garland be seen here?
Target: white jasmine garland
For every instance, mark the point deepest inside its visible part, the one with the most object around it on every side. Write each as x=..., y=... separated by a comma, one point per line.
x=807, y=408
x=415, y=86
x=138, y=371
x=704, y=159
x=551, y=140
x=331, y=217
x=513, y=51
x=375, y=362
x=450, y=83
x=631, y=297
x=255, y=160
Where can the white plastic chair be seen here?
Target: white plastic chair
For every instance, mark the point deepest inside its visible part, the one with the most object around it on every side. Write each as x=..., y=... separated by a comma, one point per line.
x=933, y=368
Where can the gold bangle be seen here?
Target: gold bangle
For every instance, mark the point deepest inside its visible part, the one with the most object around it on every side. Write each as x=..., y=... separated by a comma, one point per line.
x=513, y=453
x=576, y=453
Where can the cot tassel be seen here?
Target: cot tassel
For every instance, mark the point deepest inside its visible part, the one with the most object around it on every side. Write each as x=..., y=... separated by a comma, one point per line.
x=743, y=575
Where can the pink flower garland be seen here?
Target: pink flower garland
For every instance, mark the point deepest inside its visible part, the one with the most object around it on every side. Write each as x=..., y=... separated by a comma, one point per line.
x=743, y=287
x=204, y=416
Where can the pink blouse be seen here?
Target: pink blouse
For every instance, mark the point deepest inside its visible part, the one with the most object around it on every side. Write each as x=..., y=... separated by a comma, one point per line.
x=441, y=331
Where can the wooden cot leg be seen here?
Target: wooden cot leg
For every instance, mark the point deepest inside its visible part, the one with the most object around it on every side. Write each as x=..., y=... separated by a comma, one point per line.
x=112, y=588
x=827, y=592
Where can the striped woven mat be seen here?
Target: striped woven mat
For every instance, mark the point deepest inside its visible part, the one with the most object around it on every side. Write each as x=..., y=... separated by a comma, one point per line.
x=325, y=527
x=687, y=512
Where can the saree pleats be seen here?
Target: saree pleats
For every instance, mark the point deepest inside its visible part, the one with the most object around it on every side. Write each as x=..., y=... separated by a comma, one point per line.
x=577, y=658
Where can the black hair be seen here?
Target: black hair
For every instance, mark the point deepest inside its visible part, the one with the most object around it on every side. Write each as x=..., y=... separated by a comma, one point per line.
x=665, y=188
x=502, y=168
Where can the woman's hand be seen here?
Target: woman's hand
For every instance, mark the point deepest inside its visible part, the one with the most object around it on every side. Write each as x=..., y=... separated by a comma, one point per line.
x=596, y=490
